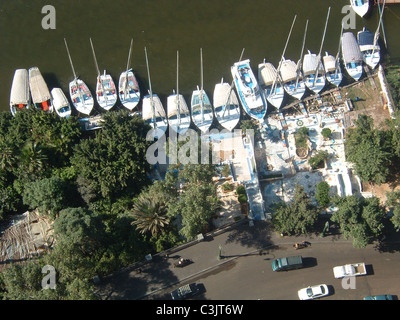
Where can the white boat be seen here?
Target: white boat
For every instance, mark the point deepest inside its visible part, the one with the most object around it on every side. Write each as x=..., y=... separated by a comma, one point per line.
x=226, y=105
x=177, y=110
x=361, y=7
x=60, y=103
x=248, y=90
x=79, y=92
x=351, y=54
x=19, y=95
x=270, y=83
x=40, y=93
x=314, y=73
x=128, y=87
x=369, y=47
x=201, y=108
x=106, y=93
x=153, y=112
x=333, y=71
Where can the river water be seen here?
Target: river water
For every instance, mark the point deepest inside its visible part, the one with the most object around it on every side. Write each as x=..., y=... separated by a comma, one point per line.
x=220, y=27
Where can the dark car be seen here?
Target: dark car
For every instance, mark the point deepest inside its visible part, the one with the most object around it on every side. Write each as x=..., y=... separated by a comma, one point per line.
x=380, y=297
x=186, y=291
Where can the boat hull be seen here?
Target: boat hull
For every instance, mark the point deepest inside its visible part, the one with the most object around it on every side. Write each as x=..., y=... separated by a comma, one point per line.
x=333, y=71
x=128, y=91
x=81, y=96
x=361, y=7
x=248, y=90
x=60, y=103
x=153, y=113
x=178, y=121
x=19, y=95
x=105, y=91
x=40, y=93
x=226, y=106
x=270, y=84
x=201, y=110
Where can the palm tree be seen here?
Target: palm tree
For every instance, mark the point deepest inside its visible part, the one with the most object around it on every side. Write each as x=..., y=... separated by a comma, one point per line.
x=7, y=155
x=150, y=214
x=31, y=158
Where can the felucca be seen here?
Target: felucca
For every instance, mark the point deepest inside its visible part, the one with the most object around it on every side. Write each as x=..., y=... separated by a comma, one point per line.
x=79, y=92
x=333, y=71
x=128, y=87
x=40, y=93
x=105, y=88
x=19, y=96
x=177, y=109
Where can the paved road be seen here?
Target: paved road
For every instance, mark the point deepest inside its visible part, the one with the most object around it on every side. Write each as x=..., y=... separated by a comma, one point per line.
x=245, y=271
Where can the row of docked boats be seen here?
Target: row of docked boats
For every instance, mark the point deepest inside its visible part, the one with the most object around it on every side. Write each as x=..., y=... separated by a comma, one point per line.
x=312, y=71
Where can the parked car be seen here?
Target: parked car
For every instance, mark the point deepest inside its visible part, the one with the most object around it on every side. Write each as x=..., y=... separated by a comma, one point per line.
x=185, y=291
x=380, y=297
x=287, y=263
x=313, y=292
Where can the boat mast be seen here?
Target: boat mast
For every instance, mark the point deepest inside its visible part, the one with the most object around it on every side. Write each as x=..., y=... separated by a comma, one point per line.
x=178, y=108
x=127, y=69
x=383, y=28
x=322, y=44
x=299, y=64
x=73, y=71
x=201, y=81
x=338, y=52
x=150, y=90
x=98, y=71
x=231, y=88
x=282, y=57
x=376, y=36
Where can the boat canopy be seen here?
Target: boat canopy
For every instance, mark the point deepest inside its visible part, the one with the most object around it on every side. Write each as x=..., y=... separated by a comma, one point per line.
x=59, y=98
x=183, y=108
x=147, y=112
x=20, y=88
x=329, y=63
x=221, y=96
x=267, y=74
x=350, y=48
x=39, y=90
x=365, y=37
x=288, y=71
x=310, y=64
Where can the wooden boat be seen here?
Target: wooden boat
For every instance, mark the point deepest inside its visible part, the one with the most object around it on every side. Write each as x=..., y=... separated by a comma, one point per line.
x=153, y=111
x=40, y=93
x=248, y=90
x=19, y=96
x=128, y=87
x=333, y=71
x=177, y=110
x=292, y=75
x=313, y=68
x=106, y=94
x=79, y=92
x=201, y=108
x=270, y=83
x=361, y=7
x=60, y=103
x=226, y=105
x=352, y=56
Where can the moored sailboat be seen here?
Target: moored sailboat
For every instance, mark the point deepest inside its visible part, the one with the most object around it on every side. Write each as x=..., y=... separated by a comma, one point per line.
x=128, y=87
x=369, y=47
x=333, y=71
x=177, y=110
x=270, y=82
x=153, y=112
x=40, y=93
x=248, y=90
x=19, y=96
x=226, y=105
x=352, y=57
x=79, y=92
x=105, y=88
x=291, y=73
x=61, y=103
x=201, y=108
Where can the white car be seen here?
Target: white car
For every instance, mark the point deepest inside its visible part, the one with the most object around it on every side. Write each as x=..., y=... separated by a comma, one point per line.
x=313, y=292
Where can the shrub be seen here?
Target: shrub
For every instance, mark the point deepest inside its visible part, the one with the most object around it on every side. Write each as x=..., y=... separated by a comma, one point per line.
x=240, y=190
x=242, y=198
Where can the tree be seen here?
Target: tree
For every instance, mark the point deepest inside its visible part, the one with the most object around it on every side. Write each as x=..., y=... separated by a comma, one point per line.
x=48, y=195
x=318, y=159
x=393, y=202
x=150, y=214
x=360, y=219
x=114, y=161
x=326, y=133
x=296, y=217
x=370, y=150
x=322, y=194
